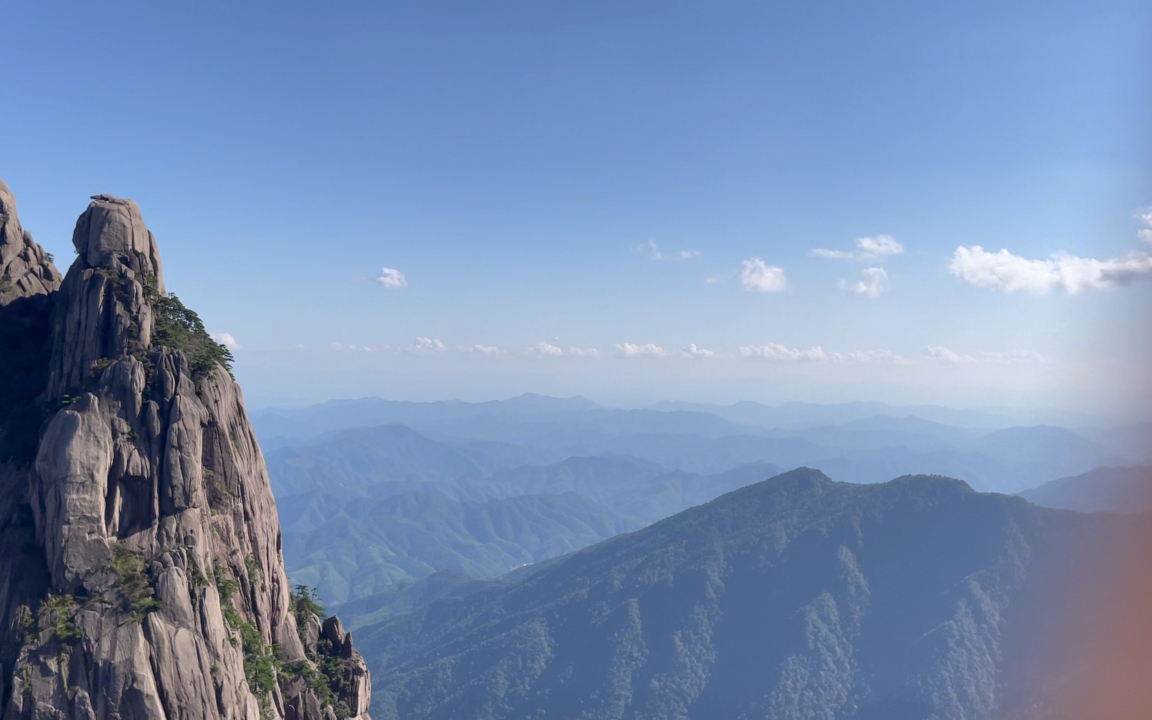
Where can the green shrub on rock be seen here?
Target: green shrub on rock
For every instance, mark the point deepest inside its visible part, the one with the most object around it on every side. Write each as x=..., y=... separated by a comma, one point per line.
x=180, y=328
x=133, y=581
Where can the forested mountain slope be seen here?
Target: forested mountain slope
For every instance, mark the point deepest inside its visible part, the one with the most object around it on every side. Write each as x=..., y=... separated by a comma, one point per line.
x=797, y=597
x=1105, y=489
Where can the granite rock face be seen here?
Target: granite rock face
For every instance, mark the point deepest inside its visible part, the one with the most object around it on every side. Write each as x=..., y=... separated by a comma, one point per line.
x=141, y=573
x=28, y=281
x=25, y=269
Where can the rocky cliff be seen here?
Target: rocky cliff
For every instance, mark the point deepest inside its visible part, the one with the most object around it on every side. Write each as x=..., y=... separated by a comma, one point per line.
x=141, y=573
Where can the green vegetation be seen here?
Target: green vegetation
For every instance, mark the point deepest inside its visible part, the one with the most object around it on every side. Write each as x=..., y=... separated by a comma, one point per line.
x=323, y=676
x=66, y=400
x=252, y=565
x=180, y=328
x=227, y=587
x=133, y=581
x=330, y=668
x=62, y=609
x=26, y=621
x=304, y=600
x=260, y=659
x=325, y=673
x=198, y=578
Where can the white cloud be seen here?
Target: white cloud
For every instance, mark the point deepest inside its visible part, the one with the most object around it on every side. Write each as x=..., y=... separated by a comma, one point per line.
x=874, y=284
x=879, y=246
x=392, y=278
x=349, y=347
x=544, y=349
x=630, y=350
x=783, y=353
x=759, y=277
x=775, y=351
x=1015, y=356
x=1010, y=273
x=833, y=254
x=1145, y=218
x=227, y=341
x=424, y=344
x=939, y=352
x=943, y=354
x=867, y=248
x=869, y=356
x=653, y=251
x=583, y=352
x=697, y=352
x=480, y=349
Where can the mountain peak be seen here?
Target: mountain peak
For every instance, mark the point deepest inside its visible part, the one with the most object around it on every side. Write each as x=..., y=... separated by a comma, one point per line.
x=797, y=597
x=25, y=269
x=140, y=539
x=111, y=235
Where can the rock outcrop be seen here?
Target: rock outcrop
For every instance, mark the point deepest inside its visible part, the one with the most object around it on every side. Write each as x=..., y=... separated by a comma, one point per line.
x=142, y=574
x=25, y=269
x=28, y=281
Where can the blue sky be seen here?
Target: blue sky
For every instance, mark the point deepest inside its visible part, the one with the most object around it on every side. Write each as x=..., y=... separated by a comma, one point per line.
x=518, y=162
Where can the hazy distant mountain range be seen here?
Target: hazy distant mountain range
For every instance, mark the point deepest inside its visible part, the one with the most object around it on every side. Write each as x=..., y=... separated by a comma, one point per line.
x=337, y=469
x=348, y=446
x=1106, y=489
x=792, y=598
x=452, y=537
x=352, y=547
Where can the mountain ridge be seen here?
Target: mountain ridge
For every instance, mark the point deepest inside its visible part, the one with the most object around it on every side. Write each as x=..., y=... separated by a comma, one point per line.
x=794, y=597
x=1125, y=490
x=352, y=547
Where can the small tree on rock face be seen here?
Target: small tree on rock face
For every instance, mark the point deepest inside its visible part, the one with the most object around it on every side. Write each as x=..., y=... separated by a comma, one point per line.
x=306, y=600
x=178, y=327
x=324, y=670
x=133, y=581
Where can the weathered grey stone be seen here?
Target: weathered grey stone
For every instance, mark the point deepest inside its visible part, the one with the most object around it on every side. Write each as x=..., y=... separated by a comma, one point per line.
x=112, y=232
x=147, y=495
x=311, y=632
x=25, y=269
x=359, y=697
x=333, y=631
x=73, y=463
